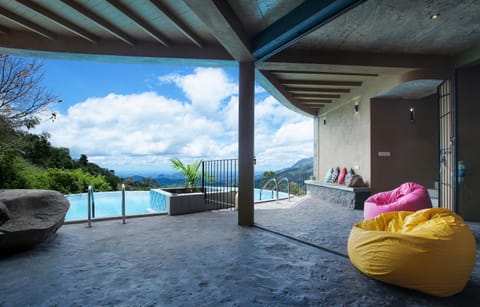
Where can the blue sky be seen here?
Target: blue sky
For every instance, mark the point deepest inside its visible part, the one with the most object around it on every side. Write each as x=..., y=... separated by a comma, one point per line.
x=133, y=117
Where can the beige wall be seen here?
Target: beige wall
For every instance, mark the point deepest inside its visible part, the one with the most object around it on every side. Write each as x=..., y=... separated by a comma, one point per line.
x=345, y=139
x=413, y=146
x=468, y=141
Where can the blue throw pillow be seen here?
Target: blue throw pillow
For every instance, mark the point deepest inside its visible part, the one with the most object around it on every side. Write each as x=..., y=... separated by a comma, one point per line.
x=328, y=175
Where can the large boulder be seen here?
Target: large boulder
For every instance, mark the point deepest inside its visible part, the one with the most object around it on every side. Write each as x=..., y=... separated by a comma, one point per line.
x=29, y=217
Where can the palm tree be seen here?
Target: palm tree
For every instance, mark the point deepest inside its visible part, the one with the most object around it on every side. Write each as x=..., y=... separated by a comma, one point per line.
x=191, y=172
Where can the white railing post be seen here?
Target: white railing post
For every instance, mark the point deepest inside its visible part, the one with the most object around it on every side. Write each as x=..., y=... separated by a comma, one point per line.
x=123, y=203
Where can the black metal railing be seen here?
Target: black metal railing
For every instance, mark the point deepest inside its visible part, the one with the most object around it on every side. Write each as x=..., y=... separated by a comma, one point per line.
x=220, y=183
x=297, y=183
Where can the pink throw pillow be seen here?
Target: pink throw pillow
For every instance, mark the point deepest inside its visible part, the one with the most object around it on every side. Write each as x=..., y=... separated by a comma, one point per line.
x=341, y=176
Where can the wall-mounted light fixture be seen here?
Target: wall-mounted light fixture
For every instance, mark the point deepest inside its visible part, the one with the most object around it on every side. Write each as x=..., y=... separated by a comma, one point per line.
x=355, y=108
x=412, y=115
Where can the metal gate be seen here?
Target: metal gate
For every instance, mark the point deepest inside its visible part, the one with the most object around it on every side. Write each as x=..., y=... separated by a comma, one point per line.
x=220, y=183
x=448, y=182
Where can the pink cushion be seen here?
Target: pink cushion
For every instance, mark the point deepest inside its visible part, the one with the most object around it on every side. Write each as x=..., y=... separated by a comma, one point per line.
x=409, y=196
x=341, y=176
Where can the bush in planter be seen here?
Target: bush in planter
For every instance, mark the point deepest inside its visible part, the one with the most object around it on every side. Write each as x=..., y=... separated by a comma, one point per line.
x=191, y=173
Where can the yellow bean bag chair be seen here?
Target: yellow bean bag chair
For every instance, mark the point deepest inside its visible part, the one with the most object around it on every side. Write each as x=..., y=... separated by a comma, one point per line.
x=431, y=250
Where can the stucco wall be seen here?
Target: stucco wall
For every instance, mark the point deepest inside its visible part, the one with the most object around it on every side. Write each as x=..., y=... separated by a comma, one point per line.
x=468, y=141
x=413, y=146
x=344, y=140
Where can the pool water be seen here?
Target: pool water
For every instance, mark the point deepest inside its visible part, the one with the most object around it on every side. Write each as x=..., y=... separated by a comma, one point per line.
x=109, y=204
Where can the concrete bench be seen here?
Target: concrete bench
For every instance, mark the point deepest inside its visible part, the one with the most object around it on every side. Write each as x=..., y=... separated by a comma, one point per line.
x=351, y=197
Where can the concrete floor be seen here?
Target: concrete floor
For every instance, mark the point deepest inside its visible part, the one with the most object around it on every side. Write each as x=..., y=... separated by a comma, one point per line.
x=205, y=259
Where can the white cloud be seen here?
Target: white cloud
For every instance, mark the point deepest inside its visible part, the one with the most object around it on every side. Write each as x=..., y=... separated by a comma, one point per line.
x=206, y=88
x=142, y=131
x=282, y=137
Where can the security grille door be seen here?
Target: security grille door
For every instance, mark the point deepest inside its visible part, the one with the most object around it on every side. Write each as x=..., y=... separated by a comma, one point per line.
x=447, y=187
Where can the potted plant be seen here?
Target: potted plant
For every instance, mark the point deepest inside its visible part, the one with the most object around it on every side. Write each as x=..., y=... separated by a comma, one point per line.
x=182, y=200
x=191, y=173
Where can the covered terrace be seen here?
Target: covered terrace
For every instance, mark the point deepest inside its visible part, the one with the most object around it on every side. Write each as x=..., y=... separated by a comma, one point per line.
x=315, y=57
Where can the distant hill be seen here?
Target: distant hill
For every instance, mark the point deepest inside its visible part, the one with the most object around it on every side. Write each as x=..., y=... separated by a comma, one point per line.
x=298, y=172
x=164, y=180
x=170, y=180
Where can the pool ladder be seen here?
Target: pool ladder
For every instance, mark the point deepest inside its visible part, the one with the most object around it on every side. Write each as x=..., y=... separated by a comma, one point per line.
x=276, y=183
x=91, y=205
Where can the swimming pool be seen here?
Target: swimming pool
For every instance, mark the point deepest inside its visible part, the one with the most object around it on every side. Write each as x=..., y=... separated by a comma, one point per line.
x=109, y=204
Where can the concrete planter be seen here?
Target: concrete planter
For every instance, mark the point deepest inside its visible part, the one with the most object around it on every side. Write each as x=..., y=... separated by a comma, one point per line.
x=178, y=201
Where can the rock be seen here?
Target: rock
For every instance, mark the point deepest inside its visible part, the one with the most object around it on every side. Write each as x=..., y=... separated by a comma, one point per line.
x=34, y=215
x=4, y=216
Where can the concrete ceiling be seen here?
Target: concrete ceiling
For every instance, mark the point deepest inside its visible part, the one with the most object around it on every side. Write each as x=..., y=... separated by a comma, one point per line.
x=401, y=27
x=308, y=54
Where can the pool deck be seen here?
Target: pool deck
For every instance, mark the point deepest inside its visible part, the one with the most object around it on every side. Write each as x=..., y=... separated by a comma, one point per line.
x=206, y=259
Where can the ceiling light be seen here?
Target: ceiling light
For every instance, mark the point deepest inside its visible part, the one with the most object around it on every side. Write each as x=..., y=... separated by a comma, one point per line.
x=435, y=16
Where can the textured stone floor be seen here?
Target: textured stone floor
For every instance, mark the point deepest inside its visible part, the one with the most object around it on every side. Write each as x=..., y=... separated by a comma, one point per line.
x=205, y=259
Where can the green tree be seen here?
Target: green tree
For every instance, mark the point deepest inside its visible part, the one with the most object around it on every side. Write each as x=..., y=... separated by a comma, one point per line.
x=36, y=148
x=191, y=172
x=92, y=168
x=83, y=161
x=63, y=180
x=22, y=98
x=8, y=171
x=295, y=189
x=22, y=95
x=60, y=158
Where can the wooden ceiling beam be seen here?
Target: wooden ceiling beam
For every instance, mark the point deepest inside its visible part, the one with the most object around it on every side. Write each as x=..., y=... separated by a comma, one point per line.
x=27, y=24
x=112, y=49
x=140, y=22
x=313, y=103
x=271, y=84
x=333, y=96
x=225, y=26
x=321, y=73
x=101, y=22
x=318, y=90
x=321, y=82
x=313, y=99
x=59, y=20
x=178, y=23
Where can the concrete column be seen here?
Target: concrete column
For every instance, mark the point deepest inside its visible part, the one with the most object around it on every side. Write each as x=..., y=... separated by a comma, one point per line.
x=316, y=148
x=246, y=126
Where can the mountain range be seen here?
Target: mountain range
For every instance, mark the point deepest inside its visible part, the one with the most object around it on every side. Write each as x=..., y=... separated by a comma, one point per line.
x=299, y=171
